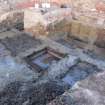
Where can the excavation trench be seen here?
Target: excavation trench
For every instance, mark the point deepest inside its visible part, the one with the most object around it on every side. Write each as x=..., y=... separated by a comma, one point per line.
x=79, y=72
x=42, y=59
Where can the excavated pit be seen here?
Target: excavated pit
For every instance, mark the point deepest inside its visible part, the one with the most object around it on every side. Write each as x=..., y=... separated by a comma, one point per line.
x=20, y=43
x=41, y=60
x=80, y=72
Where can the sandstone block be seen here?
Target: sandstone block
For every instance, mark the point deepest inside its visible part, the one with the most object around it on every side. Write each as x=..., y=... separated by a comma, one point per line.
x=75, y=28
x=84, y=32
x=100, y=41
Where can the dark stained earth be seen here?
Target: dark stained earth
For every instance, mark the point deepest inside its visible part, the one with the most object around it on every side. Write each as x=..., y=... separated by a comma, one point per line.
x=29, y=93
x=20, y=43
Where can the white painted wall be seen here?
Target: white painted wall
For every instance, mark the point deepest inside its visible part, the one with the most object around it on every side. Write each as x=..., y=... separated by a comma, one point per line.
x=46, y=5
x=36, y=6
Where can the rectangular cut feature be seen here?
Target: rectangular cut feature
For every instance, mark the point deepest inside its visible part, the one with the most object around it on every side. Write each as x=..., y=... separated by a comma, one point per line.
x=80, y=72
x=42, y=59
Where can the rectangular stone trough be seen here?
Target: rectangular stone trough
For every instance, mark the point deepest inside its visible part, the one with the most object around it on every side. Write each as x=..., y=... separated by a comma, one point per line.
x=42, y=59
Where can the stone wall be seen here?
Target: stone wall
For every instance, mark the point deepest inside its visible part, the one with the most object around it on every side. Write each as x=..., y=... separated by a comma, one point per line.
x=88, y=33
x=14, y=19
x=100, y=41
x=83, y=31
x=88, y=29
